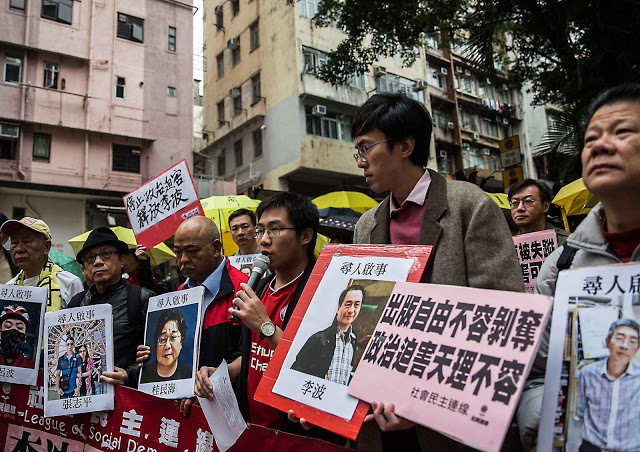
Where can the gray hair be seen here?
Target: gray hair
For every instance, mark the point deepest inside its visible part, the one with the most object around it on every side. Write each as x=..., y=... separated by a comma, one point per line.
x=623, y=322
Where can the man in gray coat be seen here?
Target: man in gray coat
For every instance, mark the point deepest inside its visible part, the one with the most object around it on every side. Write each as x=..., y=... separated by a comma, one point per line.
x=472, y=244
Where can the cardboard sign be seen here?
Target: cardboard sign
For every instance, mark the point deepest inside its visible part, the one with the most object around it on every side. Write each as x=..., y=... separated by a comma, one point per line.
x=532, y=251
x=23, y=310
x=454, y=359
x=315, y=397
x=243, y=262
x=584, y=340
x=157, y=208
x=172, y=333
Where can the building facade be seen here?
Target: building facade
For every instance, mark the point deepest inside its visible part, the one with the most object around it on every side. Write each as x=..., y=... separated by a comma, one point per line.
x=96, y=98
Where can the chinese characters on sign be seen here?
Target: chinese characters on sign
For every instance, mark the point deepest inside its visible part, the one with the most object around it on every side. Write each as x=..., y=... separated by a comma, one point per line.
x=532, y=251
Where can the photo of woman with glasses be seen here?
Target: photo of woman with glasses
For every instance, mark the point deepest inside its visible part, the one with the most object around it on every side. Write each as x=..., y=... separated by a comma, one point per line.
x=170, y=333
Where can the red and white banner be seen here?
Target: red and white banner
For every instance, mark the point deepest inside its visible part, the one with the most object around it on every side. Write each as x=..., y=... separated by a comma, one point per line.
x=157, y=208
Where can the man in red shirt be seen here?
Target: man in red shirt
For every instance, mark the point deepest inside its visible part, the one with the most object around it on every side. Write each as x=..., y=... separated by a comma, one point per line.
x=287, y=230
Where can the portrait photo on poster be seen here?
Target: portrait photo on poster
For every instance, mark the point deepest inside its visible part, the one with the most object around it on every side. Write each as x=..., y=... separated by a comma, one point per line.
x=78, y=349
x=21, y=318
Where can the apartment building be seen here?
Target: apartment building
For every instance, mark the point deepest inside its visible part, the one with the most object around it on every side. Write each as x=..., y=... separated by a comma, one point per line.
x=96, y=98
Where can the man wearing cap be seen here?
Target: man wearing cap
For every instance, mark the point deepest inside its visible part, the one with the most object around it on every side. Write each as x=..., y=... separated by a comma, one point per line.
x=7, y=268
x=30, y=245
x=102, y=256
x=14, y=321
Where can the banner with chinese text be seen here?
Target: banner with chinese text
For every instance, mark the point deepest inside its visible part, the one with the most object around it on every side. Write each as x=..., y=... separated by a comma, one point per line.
x=532, y=251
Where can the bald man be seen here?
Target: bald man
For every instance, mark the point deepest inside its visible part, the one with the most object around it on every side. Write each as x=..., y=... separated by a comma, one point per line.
x=199, y=256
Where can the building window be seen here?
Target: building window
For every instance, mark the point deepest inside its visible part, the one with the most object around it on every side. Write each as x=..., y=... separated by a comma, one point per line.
x=172, y=39
x=328, y=125
x=357, y=81
x=9, y=135
x=236, y=7
x=237, y=150
x=221, y=164
x=171, y=91
x=126, y=158
x=221, y=112
x=12, y=69
x=41, y=147
x=131, y=28
x=17, y=4
x=490, y=127
x=469, y=121
x=237, y=101
x=255, y=88
x=466, y=84
x=433, y=40
x=58, y=10
x=309, y=8
x=254, y=35
x=436, y=78
x=120, y=85
x=235, y=52
x=219, y=17
x=441, y=119
x=51, y=71
x=257, y=143
x=220, y=63
x=390, y=83
x=313, y=60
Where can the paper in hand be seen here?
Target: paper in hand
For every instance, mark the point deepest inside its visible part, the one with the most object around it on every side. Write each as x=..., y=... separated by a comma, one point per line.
x=223, y=415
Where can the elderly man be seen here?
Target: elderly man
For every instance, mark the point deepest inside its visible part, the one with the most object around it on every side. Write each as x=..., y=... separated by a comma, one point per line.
x=242, y=222
x=610, y=234
x=102, y=256
x=30, y=245
x=330, y=353
x=609, y=394
x=7, y=268
x=14, y=322
x=530, y=201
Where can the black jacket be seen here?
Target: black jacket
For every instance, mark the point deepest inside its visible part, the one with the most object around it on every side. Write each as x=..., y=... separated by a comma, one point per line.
x=315, y=357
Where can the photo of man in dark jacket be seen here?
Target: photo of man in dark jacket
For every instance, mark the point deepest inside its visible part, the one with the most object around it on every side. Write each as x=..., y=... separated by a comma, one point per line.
x=330, y=353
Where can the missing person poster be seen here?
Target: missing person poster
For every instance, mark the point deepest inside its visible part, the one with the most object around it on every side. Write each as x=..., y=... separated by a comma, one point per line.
x=157, y=208
x=243, y=262
x=453, y=359
x=321, y=348
x=78, y=349
x=172, y=333
x=532, y=251
x=591, y=389
x=21, y=318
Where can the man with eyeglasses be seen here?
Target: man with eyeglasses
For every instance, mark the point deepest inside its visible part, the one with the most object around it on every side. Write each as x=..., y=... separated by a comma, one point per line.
x=530, y=201
x=242, y=224
x=102, y=256
x=170, y=332
x=472, y=245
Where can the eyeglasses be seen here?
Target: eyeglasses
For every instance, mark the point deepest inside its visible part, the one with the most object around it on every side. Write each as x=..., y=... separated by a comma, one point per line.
x=162, y=341
x=362, y=150
x=271, y=232
x=526, y=202
x=82, y=351
x=105, y=255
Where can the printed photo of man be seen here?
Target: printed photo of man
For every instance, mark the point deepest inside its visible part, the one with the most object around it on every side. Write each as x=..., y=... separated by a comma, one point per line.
x=68, y=371
x=14, y=322
x=609, y=394
x=330, y=353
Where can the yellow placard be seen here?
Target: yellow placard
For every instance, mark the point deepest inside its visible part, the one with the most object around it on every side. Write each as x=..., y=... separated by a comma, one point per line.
x=509, y=144
x=512, y=176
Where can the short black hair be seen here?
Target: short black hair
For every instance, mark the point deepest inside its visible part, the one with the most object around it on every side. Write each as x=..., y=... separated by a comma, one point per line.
x=168, y=316
x=627, y=92
x=545, y=192
x=351, y=288
x=241, y=212
x=397, y=116
x=302, y=212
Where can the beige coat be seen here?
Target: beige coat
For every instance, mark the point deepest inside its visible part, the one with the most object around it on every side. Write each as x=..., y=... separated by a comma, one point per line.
x=472, y=247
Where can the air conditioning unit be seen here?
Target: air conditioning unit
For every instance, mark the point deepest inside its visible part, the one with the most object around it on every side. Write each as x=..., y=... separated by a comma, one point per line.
x=319, y=110
x=505, y=87
x=505, y=121
x=443, y=154
x=9, y=131
x=486, y=151
x=135, y=151
x=459, y=69
x=233, y=43
x=444, y=71
x=476, y=136
x=234, y=92
x=466, y=146
x=420, y=85
x=467, y=72
x=379, y=71
x=451, y=125
x=218, y=9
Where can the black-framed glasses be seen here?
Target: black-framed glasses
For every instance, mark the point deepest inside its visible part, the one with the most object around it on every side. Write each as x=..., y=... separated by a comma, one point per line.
x=271, y=232
x=525, y=202
x=70, y=344
x=105, y=255
x=362, y=150
x=162, y=341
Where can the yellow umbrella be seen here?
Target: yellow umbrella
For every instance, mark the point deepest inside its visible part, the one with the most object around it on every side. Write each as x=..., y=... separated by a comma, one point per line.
x=321, y=241
x=349, y=199
x=218, y=208
x=501, y=199
x=575, y=199
x=158, y=254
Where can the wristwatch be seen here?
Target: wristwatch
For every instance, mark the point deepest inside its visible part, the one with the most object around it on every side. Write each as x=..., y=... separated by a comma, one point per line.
x=267, y=329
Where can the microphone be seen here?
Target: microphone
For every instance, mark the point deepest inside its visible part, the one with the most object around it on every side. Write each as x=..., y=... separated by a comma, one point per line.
x=260, y=266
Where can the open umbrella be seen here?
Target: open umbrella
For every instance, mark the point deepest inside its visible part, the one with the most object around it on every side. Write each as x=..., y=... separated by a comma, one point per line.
x=501, y=199
x=65, y=262
x=574, y=199
x=321, y=241
x=158, y=254
x=218, y=208
x=346, y=199
x=338, y=222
